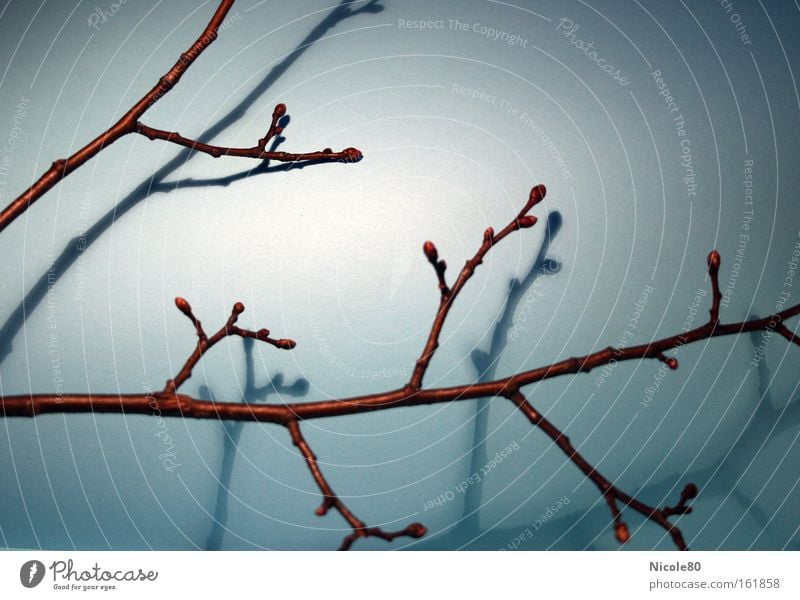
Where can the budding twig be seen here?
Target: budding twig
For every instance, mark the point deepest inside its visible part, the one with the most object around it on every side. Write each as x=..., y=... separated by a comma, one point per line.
x=716, y=296
x=611, y=493
x=204, y=343
x=331, y=500
x=259, y=151
x=448, y=295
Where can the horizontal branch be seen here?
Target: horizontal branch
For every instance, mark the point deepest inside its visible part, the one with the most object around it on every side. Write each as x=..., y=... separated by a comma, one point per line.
x=170, y=403
x=259, y=151
x=181, y=405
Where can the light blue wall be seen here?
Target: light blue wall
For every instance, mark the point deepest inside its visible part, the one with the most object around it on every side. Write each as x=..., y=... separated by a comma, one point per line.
x=330, y=255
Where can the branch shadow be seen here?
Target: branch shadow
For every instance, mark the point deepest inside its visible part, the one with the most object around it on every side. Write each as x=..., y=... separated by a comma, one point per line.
x=485, y=362
x=232, y=432
x=158, y=182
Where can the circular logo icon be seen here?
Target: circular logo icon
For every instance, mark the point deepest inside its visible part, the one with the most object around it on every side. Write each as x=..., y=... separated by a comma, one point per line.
x=31, y=573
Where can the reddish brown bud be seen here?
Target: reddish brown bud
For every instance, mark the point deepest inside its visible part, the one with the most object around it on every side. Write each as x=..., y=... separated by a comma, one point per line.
x=537, y=195
x=262, y=334
x=280, y=110
x=352, y=154
x=430, y=251
x=527, y=221
x=622, y=533
x=238, y=308
x=183, y=306
x=488, y=235
x=284, y=344
x=713, y=262
x=416, y=530
x=690, y=491
x=672, y=363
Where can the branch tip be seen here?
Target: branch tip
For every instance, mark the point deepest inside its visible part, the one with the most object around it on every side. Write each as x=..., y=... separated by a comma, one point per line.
x=670, y=361
x=184, y=306
x=713, y=262
x=537, y=194
x=621, y=532
x=286, y=344
x=352, y=155
x=430, y=252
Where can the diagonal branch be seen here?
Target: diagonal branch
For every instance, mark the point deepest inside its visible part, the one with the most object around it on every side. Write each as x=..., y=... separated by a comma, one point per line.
x=612, y=494
x=448, y=295
x=64, y=166
x=331, y=500
x=129, y=123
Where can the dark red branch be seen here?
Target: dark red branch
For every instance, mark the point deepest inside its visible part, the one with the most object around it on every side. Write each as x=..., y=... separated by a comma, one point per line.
x=448, y=295
x=610, y=492
x=259, y=151
x=205, y=343
x=331, y=500
x=787, y=333
x=129, y=123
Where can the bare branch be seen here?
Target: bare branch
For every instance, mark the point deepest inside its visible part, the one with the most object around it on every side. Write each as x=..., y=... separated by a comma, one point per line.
x=522, y=221
x=610, y=492
x=129, y=123
x=331, y=500
x=259, y=151
x=170, y=403
x=205, y=343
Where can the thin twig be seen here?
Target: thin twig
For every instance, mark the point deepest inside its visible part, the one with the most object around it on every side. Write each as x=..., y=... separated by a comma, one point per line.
x=448, y=295
x=331, y=500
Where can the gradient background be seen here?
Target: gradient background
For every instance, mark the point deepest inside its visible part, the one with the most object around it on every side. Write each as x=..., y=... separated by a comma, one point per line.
x=330, y=255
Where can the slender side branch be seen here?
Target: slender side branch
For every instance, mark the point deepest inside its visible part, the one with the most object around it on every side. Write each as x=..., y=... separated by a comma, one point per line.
x=205, y=343
x=129, y=123
x=610, y=492
x=259, y=151
x=331, y=500
x=448, y=295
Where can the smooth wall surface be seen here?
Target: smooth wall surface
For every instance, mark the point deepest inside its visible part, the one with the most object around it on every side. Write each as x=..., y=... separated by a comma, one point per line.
x=662, y=130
